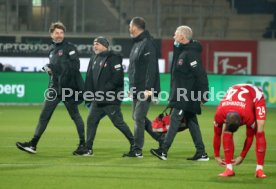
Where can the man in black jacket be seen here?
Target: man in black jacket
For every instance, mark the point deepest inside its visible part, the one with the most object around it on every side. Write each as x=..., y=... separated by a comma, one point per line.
x=144, y=82
x=105, y=80
x=189, y=89
x=64, y=73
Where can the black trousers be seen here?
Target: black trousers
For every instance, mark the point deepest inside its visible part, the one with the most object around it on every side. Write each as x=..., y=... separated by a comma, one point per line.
x=115, y=115
x=46, y=114
x=192, y=123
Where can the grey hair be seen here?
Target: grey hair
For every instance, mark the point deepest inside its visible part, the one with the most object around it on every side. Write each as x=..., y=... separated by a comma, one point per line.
x=185, y=31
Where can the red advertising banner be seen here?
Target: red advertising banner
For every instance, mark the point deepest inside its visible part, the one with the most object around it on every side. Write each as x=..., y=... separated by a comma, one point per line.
x=222, y=56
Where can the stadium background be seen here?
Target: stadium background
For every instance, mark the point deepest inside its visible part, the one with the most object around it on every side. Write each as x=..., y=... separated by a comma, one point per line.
x=238, y=38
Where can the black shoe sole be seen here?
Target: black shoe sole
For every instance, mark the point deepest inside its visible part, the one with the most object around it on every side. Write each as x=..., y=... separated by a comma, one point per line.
x=84, y=154
x=23, y=149
x=155, y=154
x=199, y=159
x=128, y=156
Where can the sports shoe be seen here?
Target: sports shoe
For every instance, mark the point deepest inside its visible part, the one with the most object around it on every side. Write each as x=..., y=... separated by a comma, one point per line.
x=133, y=153
x=86, y=153
x=27, y=147
x=199, y=157
x=83, y=151
x=260, y=174
x=159, y=153
x=227, y=173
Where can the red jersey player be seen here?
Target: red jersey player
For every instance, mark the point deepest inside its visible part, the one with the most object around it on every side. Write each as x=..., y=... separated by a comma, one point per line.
x=243, y=104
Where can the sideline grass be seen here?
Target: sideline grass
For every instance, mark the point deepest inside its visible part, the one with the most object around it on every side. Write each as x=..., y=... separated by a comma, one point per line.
x=54, y=166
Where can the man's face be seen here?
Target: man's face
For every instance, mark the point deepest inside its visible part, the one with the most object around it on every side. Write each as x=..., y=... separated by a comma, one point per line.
x=131, y=30
x=98, y=48
x=178, y=37
x=57, y=35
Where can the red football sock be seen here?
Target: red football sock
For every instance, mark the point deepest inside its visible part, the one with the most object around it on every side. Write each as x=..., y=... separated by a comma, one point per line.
x=228, y=146
x=260, y=147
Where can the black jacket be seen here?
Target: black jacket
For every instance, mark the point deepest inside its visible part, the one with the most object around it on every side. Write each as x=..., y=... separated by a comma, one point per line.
x=65, y=65
x=188, y=77
x=109, y=80
x=143, y=68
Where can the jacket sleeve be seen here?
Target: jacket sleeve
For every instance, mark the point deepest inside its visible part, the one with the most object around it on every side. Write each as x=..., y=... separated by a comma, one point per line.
x=55, y=68
x=151, y=60
x=88, y=78
x=73, y=55
x=117, y=72
x=200, y=75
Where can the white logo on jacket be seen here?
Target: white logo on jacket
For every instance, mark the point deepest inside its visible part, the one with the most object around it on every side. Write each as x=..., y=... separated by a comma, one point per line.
x=146, y=54
x=194, y=63
x=72, y=52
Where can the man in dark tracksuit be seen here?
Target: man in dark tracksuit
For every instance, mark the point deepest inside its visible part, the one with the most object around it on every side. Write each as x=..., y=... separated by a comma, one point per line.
x=64, y=73
x=189, y=89
x=105, y=80
x=144, y=81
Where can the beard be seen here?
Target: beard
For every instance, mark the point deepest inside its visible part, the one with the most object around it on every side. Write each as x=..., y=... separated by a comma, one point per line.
x=96, y=51
x=58, y=40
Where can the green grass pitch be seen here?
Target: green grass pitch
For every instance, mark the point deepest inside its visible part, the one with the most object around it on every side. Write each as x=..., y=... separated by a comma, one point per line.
x=54, y=166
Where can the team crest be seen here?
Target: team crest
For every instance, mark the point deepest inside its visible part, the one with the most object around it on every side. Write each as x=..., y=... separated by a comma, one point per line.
x=60, y=52
x=180, y=62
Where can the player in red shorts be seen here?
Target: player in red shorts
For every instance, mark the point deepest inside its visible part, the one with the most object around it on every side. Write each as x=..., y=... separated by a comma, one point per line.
x=243, y=104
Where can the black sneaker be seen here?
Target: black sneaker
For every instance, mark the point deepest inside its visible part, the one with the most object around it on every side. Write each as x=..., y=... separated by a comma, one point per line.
x=159, y=153
x=134, y=154
x=86, y=153
x=27, y=147
x=199, y=157
x=83, y=151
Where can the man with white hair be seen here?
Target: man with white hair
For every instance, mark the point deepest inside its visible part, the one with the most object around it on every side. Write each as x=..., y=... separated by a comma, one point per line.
x=189, y=86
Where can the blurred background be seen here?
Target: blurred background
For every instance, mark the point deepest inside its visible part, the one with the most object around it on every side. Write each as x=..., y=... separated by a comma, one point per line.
x=238, y=36
x=215, y=19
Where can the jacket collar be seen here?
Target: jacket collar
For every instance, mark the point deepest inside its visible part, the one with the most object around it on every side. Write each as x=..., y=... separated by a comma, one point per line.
x=144, y=34
x=58, y=44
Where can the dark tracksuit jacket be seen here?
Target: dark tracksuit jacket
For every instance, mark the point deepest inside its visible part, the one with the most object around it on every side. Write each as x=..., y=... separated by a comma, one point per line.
x=143, y=68
x=105, y=74
x=65, y=65
x=188, y=73
x=109, y=77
